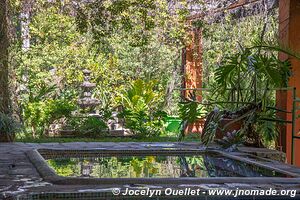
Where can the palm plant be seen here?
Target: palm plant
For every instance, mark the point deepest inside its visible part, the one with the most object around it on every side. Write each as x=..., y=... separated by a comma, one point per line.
x=141, y=109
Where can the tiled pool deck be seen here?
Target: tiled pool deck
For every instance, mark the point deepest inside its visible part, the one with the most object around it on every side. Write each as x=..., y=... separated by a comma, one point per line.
x=19, y=176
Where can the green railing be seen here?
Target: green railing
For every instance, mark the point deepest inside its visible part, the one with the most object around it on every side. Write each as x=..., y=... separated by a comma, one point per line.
x=294, y=119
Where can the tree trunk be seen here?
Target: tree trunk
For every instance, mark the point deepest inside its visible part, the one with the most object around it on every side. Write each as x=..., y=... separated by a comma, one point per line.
x=5, y=104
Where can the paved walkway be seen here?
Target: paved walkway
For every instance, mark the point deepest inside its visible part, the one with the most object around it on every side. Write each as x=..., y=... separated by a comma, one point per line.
x=19, y=176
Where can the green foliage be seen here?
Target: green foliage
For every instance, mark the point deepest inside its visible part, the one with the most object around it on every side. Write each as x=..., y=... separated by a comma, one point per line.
x=89, y=126
x=63, y=167
x=229, y=74
x=211, y=127
x=41, y=114
x=190, y=111
x=223, y=39
x=46, y=71
x=8, y=125
x=268, y=127
x=275, y=46
x=139, y=20
x=141, y=109
x=144, y=124
x=141, y=95
x=246, y=76
x=53, y=27
x=51, y=67
x=236, y=73
x=127, y=40
x=252, y=70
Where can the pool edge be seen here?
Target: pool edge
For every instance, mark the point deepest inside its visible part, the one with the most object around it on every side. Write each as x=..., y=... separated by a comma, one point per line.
x=48, y=174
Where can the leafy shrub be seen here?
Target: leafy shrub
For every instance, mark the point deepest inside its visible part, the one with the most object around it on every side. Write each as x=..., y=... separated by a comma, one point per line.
x=39, y=115
x=92, y=127
x=141, y=95
x=89, y=126
x=190, y=111
x=141, y=109
x=144, y=124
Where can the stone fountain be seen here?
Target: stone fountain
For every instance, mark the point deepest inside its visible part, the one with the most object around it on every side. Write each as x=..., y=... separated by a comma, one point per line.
x=86, y=102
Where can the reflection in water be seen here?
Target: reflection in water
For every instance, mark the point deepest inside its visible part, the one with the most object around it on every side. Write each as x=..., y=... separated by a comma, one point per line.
x=157, y=166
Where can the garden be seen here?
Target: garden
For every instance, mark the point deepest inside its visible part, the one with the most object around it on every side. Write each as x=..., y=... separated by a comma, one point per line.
x=162, y=75
x=135, y=62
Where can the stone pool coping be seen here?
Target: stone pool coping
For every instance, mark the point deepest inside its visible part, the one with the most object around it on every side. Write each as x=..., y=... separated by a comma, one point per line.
x=49, y=175
x=20, y=178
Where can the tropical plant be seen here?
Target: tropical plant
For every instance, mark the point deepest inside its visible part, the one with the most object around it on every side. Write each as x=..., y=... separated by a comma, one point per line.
x=246, y=77
x=231, y=140
x=211, y=126
x=254, y=71
x=141, y=109
x=58, y=51
x=144, y=124
x=140, y=94
x=189, y=112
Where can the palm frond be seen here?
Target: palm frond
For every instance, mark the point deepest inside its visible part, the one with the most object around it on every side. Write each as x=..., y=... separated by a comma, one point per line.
x=275, y=46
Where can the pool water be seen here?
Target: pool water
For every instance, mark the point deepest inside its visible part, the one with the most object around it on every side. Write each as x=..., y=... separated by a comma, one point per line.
x=158, y=166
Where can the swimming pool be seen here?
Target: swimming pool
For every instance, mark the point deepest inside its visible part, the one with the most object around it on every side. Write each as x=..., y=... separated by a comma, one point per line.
x=202, y=165
x=102, y=166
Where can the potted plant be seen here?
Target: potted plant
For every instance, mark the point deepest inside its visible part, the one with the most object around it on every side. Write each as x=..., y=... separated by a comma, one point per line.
x=8, y=128
x=245, y=77
x=222, y=124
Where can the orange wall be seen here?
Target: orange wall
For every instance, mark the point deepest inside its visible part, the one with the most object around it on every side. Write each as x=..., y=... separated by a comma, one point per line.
x=289, y=33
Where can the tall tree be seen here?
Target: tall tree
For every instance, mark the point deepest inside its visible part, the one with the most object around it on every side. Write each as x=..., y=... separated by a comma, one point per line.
x=140, y=20
x=25, y=21
x=5, y=104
